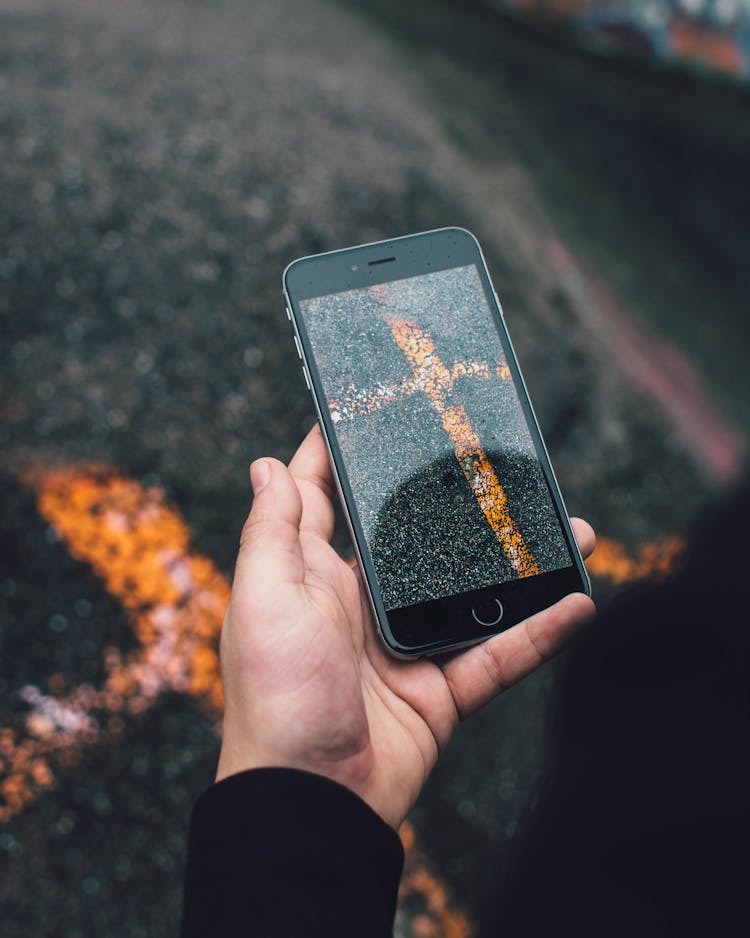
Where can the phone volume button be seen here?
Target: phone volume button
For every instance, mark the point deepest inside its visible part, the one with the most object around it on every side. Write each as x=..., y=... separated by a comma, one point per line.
x=299, y=349
x=307, y=378
x=288, y=314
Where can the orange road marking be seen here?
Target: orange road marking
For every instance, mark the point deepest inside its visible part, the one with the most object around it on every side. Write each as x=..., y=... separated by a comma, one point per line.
x=433, y=378
x=139, y=547
x=436, y=918
x=611, y=561
x=175, y=600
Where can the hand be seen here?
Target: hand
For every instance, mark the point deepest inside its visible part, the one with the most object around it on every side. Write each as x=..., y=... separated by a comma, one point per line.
x=307, y=684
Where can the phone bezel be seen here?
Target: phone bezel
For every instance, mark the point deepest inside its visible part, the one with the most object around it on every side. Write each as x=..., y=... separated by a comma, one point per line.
x=396, y=259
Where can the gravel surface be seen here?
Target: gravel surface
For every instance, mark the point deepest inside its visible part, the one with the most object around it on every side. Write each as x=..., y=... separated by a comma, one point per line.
x=162, y=162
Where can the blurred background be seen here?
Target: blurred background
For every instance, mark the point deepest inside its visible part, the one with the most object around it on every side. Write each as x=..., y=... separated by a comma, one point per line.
x=161, y=163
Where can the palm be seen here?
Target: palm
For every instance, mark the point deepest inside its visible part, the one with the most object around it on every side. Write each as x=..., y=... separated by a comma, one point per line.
x=363, y=718
x=399, y=713
x=307, y=683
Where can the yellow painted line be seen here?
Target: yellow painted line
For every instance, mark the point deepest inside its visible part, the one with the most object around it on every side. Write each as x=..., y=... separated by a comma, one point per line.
x=611, y=561
x=438, y=918
x=436, y=380
x=140, y=547
x=175, y=601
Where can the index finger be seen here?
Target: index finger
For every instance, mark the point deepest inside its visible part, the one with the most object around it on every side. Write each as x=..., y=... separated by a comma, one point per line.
x=311, y=469
x=585, y=536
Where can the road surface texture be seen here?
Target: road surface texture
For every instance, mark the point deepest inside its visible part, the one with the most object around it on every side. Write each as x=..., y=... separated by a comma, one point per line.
x=162, y=162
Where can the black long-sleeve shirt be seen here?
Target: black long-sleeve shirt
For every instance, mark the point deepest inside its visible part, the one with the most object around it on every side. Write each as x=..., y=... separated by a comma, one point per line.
x=277, y=853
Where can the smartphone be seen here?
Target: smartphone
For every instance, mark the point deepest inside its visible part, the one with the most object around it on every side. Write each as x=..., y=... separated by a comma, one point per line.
x=455, y=515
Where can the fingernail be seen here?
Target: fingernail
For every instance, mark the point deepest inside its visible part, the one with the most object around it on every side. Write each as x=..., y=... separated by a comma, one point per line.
x=260, y=475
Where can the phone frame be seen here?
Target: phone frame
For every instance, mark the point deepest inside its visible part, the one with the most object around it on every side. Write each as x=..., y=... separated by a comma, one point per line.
x=363, y=266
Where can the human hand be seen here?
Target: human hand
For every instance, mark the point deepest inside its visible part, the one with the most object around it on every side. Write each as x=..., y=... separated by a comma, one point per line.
x=307, y=684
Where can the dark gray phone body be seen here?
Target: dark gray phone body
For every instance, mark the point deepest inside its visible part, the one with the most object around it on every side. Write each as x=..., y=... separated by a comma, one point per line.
x=456, y=518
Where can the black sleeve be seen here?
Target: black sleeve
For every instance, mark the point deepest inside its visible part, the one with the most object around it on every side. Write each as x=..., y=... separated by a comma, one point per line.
x=277, y=853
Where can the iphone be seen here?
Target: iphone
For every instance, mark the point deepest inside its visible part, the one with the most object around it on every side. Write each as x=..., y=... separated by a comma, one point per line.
x=456, y=518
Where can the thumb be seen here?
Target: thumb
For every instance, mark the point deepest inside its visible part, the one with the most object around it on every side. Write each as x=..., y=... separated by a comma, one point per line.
x=270, y=556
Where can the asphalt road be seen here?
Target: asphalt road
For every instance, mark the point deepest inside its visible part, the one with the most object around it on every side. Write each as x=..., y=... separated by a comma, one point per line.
x=162, y=162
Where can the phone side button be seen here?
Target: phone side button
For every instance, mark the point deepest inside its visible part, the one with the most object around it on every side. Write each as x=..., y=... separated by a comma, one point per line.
x=307, y=378
x=488, y=613
x=288, y=314
x=299, y=349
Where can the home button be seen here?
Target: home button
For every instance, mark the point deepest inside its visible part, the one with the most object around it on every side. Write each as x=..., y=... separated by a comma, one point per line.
x=488, y=612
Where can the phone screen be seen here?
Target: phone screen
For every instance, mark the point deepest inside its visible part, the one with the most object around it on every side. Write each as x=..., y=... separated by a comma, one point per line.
x=444, y=473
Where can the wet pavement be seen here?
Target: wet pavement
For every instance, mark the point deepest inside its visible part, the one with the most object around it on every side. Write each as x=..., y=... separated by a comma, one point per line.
x=162, y=163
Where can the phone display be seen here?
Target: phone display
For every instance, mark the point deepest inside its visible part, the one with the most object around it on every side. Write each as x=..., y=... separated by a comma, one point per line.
x=447, y=488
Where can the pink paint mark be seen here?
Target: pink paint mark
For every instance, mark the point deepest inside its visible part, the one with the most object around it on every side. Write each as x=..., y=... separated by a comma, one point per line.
x=658, y=369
